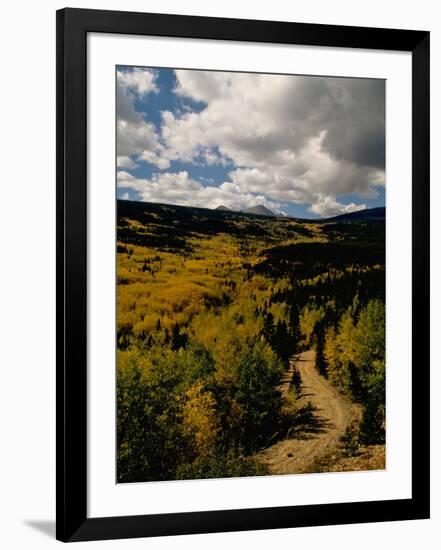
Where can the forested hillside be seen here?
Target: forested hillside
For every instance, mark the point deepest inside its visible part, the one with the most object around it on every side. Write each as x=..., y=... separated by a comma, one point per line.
x=211, y=307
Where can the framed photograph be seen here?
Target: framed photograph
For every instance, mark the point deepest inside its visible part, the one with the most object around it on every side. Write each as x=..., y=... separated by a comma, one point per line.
x=242, y=275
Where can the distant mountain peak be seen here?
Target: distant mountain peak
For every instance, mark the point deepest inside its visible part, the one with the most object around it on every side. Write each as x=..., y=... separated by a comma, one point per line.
x=222, y=207
x=261, y=210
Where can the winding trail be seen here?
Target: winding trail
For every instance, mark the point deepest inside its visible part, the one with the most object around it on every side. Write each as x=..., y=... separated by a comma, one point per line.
x=320, y=433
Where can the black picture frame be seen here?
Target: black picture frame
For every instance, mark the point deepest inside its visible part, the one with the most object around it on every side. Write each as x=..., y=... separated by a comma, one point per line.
x=71, y=510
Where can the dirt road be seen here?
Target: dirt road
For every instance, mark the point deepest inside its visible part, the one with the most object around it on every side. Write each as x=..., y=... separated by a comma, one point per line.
x=321, y=431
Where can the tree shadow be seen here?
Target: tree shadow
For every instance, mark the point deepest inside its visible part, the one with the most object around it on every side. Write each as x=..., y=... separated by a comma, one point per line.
x=308, y=424
x=47, y=527
x=300, y=360
x=303, y=395
x=304, y=424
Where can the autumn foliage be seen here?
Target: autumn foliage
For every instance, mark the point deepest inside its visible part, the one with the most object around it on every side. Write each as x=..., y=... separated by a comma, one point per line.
x=210, y=308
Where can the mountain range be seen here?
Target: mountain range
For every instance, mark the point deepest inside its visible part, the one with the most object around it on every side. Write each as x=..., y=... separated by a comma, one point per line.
x=368, y=215
x=260, y=210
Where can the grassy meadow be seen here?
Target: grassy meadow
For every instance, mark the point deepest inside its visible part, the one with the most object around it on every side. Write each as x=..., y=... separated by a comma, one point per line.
x=211, y=307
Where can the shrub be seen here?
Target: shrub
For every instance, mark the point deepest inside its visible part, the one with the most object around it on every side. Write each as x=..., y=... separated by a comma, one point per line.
x=351, y=440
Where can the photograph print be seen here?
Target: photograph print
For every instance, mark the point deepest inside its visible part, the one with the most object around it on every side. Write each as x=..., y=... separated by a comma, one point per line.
x=250, y=260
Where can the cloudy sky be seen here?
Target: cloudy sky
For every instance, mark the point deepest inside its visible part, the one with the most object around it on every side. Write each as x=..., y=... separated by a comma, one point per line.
x=302, y=145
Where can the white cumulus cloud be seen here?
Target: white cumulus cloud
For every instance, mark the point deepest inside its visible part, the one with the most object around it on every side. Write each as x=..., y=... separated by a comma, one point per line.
x=289, y=139
x=179, y=188
x=136, y=136
x=141, y=81
x=327, y=206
